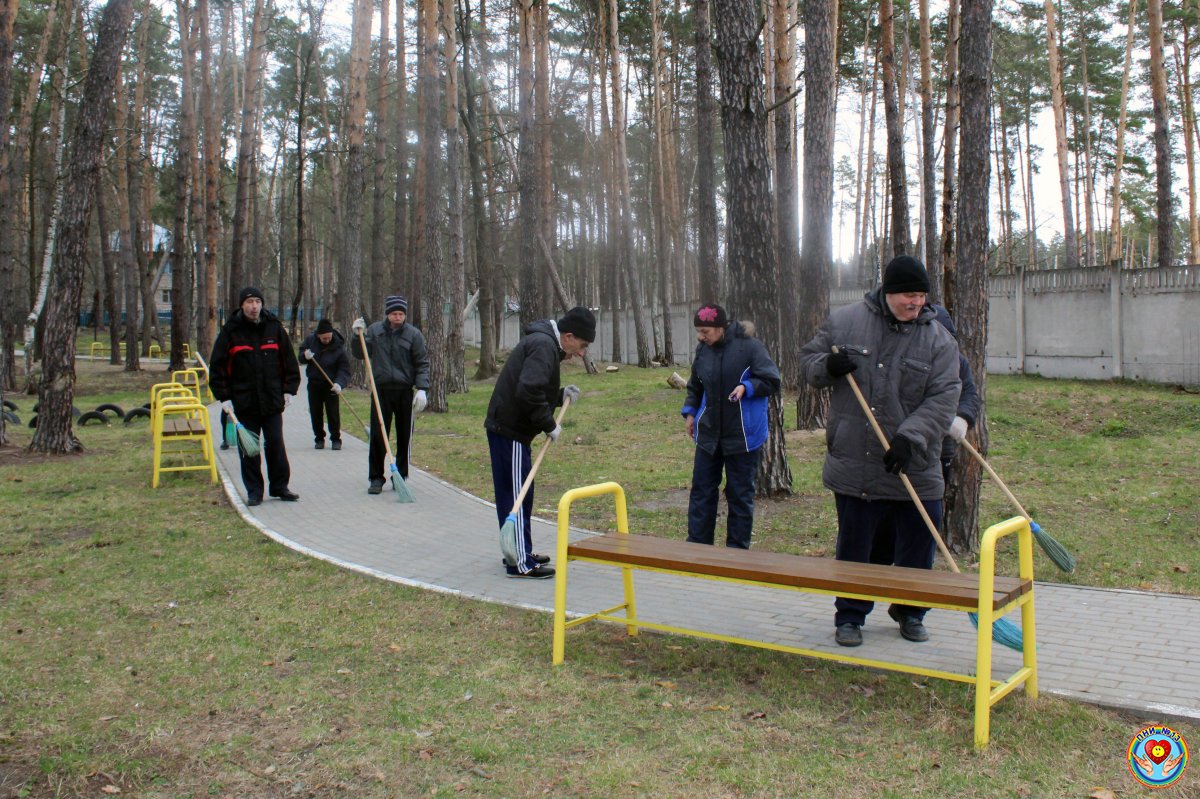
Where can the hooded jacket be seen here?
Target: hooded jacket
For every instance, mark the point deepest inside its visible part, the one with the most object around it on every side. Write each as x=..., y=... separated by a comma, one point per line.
x=331, y=357
x=398, y=355
x=527, y=390
x=908, y=372
x=969, y=401
x=738, y=358
x=253, y=365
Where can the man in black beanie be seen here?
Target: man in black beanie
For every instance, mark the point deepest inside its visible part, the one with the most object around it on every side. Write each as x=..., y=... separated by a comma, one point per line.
x=328, y=373
x=910, y=381
x=522, y=406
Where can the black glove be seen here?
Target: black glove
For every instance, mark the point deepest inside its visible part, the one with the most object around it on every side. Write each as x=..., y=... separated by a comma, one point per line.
x=896, y=459
x=840, y=363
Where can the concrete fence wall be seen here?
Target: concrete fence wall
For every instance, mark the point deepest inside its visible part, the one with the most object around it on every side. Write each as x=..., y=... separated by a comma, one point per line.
x=1094, y=323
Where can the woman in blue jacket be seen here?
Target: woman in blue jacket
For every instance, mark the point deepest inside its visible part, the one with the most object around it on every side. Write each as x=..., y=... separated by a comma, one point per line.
x=726, y=414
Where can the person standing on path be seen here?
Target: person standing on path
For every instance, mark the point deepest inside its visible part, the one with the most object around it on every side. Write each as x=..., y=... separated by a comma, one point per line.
x=907, y=369
x=726, y=415
x=254, y=373
x=522, y=406
x=400, y=365
x=325, y=349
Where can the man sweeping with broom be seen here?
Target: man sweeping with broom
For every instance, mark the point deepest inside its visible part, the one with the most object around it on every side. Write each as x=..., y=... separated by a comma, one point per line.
x=522, y=406
x=254, y=373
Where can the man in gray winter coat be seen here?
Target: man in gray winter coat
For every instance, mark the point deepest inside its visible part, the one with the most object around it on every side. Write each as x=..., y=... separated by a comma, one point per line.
x=907, y=368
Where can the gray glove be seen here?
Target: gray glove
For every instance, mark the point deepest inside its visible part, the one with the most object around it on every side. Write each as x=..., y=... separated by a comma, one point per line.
x=571, y=393
x=227, y=406
x=958, y=428
x=420, y=400
x=358, y=325
x=336, y=388
x=555, y=433
x=308, y=355
x=287, y=400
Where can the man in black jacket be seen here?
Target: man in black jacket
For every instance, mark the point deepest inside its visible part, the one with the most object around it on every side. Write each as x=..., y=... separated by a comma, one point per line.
x=522, y=405
x=325, y=349
x=254, y=373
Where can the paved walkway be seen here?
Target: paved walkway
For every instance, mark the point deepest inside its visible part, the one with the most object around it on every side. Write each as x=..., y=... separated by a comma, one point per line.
x=1129, y=650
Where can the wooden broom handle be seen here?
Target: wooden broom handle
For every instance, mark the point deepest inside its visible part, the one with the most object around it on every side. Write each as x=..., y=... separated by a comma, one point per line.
x=375, y=398
x=538, y=461
x=992, y=472
x=912, y=492
x=349, y=407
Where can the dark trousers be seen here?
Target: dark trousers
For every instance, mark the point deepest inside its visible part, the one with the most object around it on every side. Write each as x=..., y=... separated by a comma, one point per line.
x=322, y=402
x=864, y=530
x=395, y=403
x=510, y=466
x=279, y=473
x=740, y=471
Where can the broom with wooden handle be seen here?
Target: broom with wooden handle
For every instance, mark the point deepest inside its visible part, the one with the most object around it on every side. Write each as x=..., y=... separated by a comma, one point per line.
x=508, y=530
x=1003, y=630
x=398, y=484
x=348, y=406
x=1054, y=550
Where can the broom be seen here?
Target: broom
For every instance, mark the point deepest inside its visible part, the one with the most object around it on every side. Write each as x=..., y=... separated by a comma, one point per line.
x=508, y=530
x=246, y=440
x=1056, y=551
x=348, y=406
x=398, y=484
x=1003, y=630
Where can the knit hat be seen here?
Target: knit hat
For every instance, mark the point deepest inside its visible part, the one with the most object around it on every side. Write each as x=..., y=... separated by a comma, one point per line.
x=905, y=273
x=711, y=315
x=580, y=322
x=324, y=326
x=395, y=303
x=248, y=292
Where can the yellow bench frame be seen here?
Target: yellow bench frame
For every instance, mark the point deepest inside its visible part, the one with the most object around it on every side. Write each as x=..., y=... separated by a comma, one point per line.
x=987, y=691
x=179, y=407
x=99, y=347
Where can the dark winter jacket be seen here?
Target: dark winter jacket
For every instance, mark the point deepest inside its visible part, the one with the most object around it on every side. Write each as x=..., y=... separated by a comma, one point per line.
x=398, y=355
x=527, y=390
x=908, y=372
x=969, y=401
x=738, y=358
x=331, y=357
x=253, y=365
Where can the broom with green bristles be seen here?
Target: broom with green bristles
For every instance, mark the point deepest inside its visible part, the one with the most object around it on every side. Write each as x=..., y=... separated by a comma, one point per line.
x=398, y=484
x=1003, y=630
x=246, y=440
x=1054, y=550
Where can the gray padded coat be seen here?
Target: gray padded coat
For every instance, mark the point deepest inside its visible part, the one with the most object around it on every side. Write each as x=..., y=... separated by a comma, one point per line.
x=908, y=372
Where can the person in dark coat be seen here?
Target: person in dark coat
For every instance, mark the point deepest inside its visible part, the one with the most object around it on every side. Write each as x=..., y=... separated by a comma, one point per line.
x=726, y=415
x=400, y=365
x=254, y=373
x=327, y=349
x=969, y=401
x=907, y=369
x=522, y=407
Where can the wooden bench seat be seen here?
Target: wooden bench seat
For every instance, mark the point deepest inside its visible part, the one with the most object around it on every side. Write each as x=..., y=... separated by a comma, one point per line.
x=183, y=427
x=960, y=592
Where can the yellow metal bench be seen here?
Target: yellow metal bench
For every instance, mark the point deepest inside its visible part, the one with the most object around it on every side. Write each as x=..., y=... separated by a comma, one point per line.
x=988, y=595
x=180, y=431
x=98, y=348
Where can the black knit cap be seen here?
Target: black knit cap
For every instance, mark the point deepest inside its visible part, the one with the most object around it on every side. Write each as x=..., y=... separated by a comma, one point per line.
x=248, y=292
x=905, y=273
x=579, y=322
x=324, y=326
x=711, y=315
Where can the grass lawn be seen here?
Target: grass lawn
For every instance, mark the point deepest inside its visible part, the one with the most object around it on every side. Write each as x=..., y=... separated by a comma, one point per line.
x=153, y=645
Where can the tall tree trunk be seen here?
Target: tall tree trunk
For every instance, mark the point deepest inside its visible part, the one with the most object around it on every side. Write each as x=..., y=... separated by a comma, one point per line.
x=56, y=392
x=897, y=178
x=238, y=271
x=206, y=314
x=752, y=249
x=108, y=261
x=181, y=272
x=664, y=208
x=456, y=377
x=126, y=254
x=706, y=198
x=612, y=214
x=484, y=256
x=1184, y=83
x=402, y=269
x=348, y=299
x=8, y=287
x=428, y=246
x=971, y=301
x=1058, y=100
x=380, y=275
x=1162, y=133
x=816, y=252
x=533, y=302
x=945, y=278
x=928, y=157
x=787, y=210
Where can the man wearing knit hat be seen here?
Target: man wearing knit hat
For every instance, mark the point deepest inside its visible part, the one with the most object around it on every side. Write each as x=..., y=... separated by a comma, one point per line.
x=400, y=365
x=907, y=368
x=522, y=406
x=253, y=372
x=325, y=353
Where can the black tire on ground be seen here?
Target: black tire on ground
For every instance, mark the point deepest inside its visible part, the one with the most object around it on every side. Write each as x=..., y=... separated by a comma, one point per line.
x=92, y=416
x=116, y=409
x=33, y=422
x=11, y=417
x=146, y=405
x=74, y=410
x=10, y=405
x=137, y=413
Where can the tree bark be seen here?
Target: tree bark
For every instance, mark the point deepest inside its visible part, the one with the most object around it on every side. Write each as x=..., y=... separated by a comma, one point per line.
x=928, y=157
x=945, y=277
x=455, y=354
x=380, y=275
x=8, y=287
x=1058, y=100
x=245, y=158
x=181, y=272
x=56, y=392
x=706, y=202
x=897, y=178
x=428, y=245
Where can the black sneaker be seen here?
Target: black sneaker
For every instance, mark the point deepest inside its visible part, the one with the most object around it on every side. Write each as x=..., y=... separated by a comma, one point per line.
x=536, y=573
x=911, y=628
x=286, y=496
x=252, y=501
x=319, y=445
x=336, y=445
x=224, y=445
x=376, y=486
x=541, y=560
x=848, y=634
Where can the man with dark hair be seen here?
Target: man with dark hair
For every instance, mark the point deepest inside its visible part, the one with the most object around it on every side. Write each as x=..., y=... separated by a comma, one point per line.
x=522, y=406
x=400, y=365
x=253, y=372
x=907, y=369
x=325, y=353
